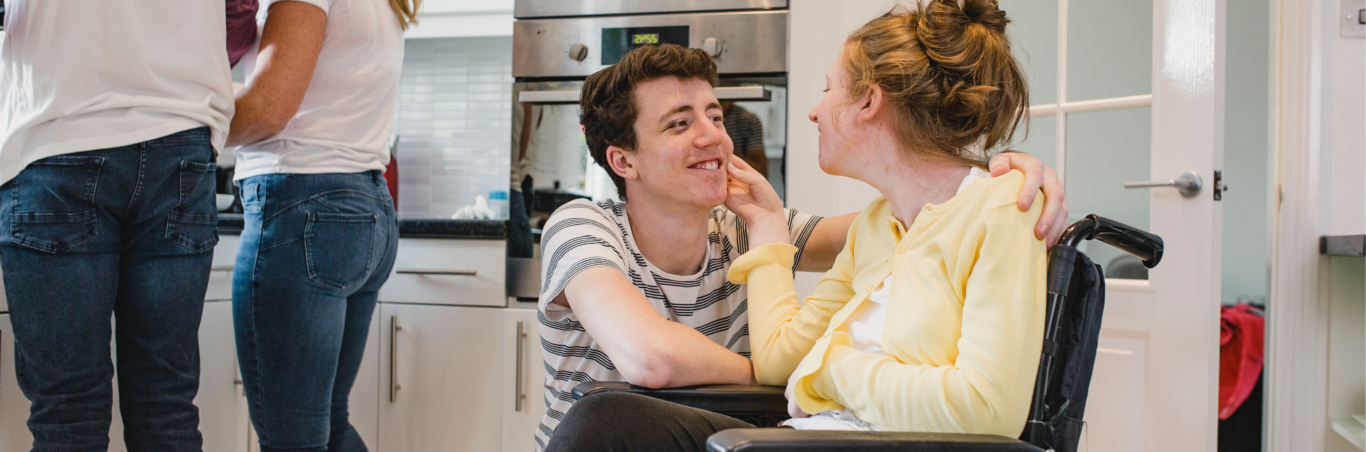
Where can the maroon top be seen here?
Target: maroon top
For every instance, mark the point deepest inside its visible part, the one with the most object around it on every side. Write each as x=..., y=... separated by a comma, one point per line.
x=241, y=28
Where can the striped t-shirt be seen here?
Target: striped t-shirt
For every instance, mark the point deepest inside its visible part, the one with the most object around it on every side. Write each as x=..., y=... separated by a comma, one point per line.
x=582, y=235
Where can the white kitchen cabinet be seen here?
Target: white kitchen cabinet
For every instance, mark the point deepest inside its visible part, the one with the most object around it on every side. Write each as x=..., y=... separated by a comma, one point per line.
x=222, y=404
x=523, y=397
x=448, y=272
x=364, y=404
x=223, y=419
x=220, y=274
x=440, y=374
x=14, y=433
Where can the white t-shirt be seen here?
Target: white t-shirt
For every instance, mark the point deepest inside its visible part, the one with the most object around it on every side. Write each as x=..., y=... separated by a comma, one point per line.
x=85, y=75
x=344, y=122
x=582, y=235
x=865, y=335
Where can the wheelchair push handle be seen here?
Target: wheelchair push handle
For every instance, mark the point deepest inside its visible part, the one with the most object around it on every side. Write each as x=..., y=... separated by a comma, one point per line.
x=1141, y=244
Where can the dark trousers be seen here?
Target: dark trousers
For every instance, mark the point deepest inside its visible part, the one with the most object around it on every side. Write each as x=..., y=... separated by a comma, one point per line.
x=621, y=422
x=315, y=250
x=127, y=232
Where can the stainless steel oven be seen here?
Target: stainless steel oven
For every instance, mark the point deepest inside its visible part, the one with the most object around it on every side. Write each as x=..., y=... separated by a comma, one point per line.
x=558, y=43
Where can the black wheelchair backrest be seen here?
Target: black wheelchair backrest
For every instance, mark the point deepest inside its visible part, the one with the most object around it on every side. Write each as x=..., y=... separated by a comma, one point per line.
x=1076, y=303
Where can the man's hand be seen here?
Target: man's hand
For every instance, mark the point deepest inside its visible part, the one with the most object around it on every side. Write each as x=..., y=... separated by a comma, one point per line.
x=1037, y=175
x=753, y=199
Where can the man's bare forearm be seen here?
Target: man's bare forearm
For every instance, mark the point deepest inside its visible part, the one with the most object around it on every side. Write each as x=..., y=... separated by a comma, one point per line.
x=825, y=243
x=646, y=348
x=693, y=359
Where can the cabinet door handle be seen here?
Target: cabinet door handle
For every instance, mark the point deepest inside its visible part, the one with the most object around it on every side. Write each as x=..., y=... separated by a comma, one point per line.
x=520, y=392
x=394, y=328
x=221, y=268
x=414, y=271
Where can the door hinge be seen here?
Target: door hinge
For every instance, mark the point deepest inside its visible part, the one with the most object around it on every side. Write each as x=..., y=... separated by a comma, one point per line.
x=1219, y=186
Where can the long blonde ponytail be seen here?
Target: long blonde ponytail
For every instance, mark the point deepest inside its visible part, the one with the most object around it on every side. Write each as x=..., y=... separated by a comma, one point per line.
x=406, y=10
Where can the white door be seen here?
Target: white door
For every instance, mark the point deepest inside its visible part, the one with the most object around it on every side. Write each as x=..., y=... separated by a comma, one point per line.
x=440, y=374
x=523, y=403
x=1132, y=90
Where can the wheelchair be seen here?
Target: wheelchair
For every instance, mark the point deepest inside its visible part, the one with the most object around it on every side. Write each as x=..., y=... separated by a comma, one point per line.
x=1075, y=303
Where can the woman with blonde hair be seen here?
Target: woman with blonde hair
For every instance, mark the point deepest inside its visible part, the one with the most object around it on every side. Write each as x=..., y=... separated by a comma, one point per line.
x=320, y=232
x=932, y=317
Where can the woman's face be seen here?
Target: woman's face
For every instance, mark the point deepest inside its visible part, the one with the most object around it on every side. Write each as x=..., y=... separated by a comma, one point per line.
x=833, y=122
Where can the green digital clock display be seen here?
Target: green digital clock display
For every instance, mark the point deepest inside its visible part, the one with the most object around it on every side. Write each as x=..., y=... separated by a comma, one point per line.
x=616, y=42
x=645, y=38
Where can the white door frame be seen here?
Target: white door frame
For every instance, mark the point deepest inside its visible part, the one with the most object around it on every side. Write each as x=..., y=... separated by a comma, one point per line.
x=1296, y=369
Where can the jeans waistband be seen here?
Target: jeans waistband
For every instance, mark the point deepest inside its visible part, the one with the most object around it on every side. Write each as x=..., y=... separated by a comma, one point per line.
x=199, y=135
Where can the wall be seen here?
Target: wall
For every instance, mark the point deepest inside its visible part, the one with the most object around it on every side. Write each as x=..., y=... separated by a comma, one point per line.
x=1342, y=189
x=454, y=120
x=463, y=18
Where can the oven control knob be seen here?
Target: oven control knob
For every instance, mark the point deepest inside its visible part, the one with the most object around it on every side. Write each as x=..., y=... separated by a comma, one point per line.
x=712, y=46
x=578, y=52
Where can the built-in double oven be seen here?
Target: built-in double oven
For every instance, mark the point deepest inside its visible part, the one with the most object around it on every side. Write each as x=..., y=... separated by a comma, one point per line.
x=559, y=43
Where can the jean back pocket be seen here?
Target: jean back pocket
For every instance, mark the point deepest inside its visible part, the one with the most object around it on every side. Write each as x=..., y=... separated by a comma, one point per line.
x=339, y=247
x=53, y=203
x=193, y=223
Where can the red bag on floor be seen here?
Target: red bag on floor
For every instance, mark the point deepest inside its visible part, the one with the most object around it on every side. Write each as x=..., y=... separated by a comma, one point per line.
x=1242, y=332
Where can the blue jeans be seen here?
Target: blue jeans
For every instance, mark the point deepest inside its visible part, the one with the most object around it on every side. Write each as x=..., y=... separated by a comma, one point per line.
x=315, y=250
x=127, y=231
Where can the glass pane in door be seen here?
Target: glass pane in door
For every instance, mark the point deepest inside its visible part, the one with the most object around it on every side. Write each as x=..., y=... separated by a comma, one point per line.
x=1104, y=150
x=1109, y=48
x=1033, y=31
x=1041, y=139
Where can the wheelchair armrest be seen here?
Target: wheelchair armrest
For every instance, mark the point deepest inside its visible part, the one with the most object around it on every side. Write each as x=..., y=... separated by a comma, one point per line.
x=786, y=439
x=728, y=399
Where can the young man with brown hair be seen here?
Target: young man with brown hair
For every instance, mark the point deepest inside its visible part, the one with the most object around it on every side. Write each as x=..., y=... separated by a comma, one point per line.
x=637, y=291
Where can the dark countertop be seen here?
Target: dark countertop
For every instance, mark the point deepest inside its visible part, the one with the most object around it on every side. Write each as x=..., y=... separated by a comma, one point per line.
x=1343, y=245
x=425, y=228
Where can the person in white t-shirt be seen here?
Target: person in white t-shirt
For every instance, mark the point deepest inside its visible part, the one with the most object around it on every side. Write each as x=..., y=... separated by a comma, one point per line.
x=321, y=232
x=111, y=114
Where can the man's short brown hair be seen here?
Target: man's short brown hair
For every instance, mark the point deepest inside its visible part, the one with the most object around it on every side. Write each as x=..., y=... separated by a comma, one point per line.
x=608, y=99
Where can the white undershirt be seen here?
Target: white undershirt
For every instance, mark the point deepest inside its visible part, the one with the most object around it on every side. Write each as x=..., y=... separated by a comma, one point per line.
x=866, y=333
x=347, y=114
x=78, y=76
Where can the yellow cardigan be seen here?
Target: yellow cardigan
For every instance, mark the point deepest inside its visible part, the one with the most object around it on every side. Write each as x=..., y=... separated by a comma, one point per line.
x=965, y=316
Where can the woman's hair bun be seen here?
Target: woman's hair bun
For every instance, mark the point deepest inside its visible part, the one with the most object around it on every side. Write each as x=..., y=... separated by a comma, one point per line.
x=985, y=13
x=947, y=67
x=956, y=15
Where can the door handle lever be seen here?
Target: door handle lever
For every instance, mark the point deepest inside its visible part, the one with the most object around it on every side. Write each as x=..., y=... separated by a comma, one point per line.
x=1188, y=184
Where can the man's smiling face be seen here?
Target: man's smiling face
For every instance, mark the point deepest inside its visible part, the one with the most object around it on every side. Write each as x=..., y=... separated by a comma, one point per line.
x=682, y=148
